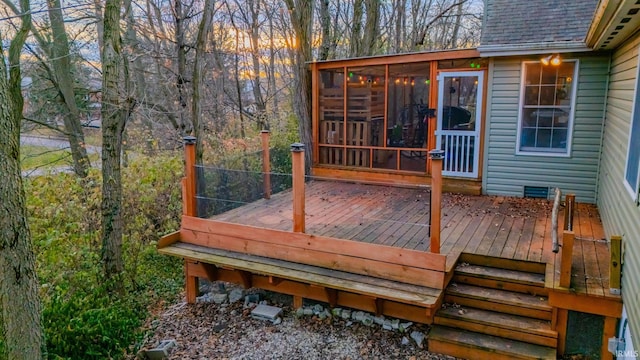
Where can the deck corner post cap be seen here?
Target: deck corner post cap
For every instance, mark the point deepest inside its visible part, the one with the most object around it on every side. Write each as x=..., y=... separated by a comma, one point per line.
x=436, y=154
x=189, y=140
x=297, y=147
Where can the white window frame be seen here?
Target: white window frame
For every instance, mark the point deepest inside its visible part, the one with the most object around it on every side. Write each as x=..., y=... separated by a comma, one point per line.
x=574, y=91
x=633, y=190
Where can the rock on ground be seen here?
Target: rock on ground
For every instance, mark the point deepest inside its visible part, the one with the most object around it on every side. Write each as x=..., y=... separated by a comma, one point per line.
x=215, y=331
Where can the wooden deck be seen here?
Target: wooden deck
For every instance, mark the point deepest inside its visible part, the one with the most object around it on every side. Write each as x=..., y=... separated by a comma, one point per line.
x=512, y=228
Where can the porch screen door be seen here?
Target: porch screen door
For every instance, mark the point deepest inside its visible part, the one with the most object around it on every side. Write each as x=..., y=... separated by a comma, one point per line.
x=459, y=120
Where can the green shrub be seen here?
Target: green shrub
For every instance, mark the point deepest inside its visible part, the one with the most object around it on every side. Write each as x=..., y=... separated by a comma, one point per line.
x=81, y=320
x=91, y=325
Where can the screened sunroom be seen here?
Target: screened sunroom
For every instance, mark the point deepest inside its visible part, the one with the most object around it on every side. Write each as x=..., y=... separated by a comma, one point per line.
x=375, y=119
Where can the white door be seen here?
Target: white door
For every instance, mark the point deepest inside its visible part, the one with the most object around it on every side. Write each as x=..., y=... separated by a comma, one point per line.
x=459, y=121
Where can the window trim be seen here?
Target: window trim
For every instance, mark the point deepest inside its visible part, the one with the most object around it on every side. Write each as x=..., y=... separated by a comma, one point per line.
x=633, y=192
x=574, y=92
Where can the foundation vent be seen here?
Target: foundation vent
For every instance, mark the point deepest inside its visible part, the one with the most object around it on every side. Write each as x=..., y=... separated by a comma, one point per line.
x=537, y=192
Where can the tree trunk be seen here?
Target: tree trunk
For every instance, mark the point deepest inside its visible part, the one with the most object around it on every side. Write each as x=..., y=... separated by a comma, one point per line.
x=60, y=57
x=113, y=122
x=301, y=15
x=399, y=17
x=134, y=55
x=355, y=43
x=325, y=25
x=97, y=7
x=201, y=43
x=272, y=92
x=371, y=27
x=456, y=27
x=21, y=325
x=181, y=48
x=236, y=58
x=261, y=106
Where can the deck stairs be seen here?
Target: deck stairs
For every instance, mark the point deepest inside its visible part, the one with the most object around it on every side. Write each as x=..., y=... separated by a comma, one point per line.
x=495, y=309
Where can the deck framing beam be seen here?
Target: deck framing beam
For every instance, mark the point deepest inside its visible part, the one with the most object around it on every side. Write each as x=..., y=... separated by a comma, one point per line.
x=300, y=290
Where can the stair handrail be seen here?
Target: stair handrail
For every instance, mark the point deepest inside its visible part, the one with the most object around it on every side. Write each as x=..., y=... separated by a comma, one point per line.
x=555, y=247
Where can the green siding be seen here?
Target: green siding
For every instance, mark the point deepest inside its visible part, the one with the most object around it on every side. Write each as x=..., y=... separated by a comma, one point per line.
x=506, y=173
x=620, y=214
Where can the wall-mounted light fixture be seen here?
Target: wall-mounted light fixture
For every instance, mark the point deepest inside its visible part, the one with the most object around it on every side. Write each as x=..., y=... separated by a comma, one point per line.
x=553, y=59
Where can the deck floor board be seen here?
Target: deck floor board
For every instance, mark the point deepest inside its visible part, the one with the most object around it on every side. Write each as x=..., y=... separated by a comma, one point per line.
x=512, y=228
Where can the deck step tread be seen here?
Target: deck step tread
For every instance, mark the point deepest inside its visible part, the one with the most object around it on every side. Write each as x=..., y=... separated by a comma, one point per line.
x=514, y=276
x=499, y=320
x=501, y=347
x=500, y=296
x=335, y=279
x=503, y=263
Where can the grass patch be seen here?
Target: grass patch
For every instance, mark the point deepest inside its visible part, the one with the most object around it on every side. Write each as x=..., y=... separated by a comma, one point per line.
x=40, y=157
x=34, y=157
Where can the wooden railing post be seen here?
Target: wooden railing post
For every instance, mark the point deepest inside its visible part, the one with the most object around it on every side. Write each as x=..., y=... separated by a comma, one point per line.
x=555, y=245
x=189, y=209
x=436, y=198
x=568, y=237
x=297, y=154
x=266, y=163
x=189, y=181
x=615, y=264
x=567, y=258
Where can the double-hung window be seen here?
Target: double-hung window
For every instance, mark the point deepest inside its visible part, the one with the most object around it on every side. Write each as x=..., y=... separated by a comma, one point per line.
x=547, y=101
x=632, y=165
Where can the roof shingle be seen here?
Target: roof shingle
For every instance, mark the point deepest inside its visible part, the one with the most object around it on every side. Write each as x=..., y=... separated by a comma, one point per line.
x=509, y=22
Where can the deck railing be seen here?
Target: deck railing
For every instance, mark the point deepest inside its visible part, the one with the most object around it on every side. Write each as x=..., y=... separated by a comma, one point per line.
x=213, y=190
x=236, y=181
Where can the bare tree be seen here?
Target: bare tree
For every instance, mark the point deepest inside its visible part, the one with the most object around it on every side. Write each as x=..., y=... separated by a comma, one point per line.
x=355, y=43
x=301, y=17
x=203, y=33
x=57, y=53
x=180, y=15
x=114, y=116
x=60, y=57
x=21, y=325
x=326, y=34
x=371, y=27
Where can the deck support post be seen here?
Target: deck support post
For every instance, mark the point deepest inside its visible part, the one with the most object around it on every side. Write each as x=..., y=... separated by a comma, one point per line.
x=266, y=163
x=610, y=326
x=436, y=198
x=297, y=154
x=191, y=283
x=189, y=182
x=561, y=328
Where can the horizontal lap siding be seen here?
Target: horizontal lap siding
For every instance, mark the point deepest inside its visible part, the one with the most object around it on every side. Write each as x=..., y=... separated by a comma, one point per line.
x=507, y=173
x=620, y=215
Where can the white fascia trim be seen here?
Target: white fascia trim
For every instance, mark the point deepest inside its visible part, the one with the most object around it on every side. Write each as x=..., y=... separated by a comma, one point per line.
x=533, y=48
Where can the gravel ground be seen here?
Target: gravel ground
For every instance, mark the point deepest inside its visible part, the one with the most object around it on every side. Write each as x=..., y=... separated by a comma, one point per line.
x=207, y=330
